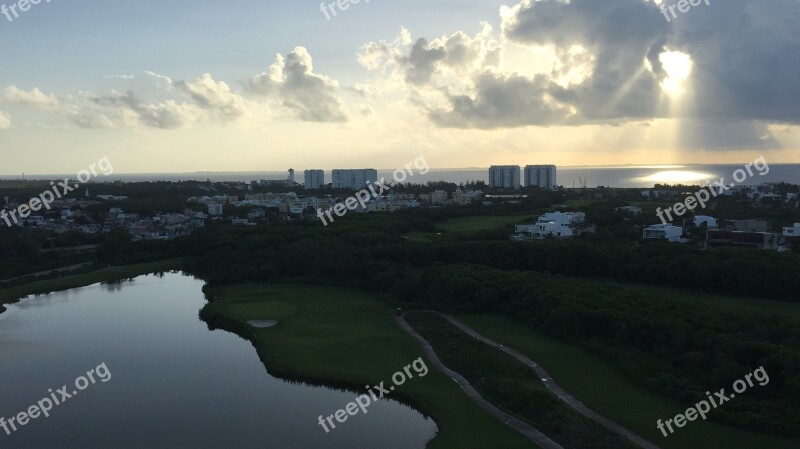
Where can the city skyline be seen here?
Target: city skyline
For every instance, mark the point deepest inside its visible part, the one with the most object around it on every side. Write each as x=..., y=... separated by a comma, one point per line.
x=468, y=85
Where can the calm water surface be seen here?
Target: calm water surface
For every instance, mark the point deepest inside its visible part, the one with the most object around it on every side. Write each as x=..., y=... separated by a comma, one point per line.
x=174, y=384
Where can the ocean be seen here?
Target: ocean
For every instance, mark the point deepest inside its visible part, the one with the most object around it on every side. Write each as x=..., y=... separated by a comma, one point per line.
x=619, y=176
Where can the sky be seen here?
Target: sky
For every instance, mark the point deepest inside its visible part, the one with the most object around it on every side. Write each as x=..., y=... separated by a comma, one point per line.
x=245, y=85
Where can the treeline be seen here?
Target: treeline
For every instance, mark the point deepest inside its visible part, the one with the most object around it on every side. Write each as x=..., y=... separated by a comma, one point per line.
x=670, y=348
x=22, y=253
x=730, y=271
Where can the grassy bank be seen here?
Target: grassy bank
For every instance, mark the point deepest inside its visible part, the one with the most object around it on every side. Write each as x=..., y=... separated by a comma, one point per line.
x=347, y=338
x=604, y=389
x=512, y=386
x=12, y=294
x=483, y=223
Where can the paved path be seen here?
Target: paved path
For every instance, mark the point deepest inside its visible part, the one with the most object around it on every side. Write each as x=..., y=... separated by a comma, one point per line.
x=529, y=431
x=555, y=388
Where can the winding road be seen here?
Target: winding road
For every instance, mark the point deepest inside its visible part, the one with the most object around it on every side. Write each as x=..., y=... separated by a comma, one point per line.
x=529, y=431
x=541, y=372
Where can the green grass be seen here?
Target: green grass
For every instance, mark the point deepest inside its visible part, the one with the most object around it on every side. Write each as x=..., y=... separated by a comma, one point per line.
x=582, y=202
x=483, y=223
x=604, y=389
x=107, y=274
x=512, y=386
x=423, y=237
x=347, y=338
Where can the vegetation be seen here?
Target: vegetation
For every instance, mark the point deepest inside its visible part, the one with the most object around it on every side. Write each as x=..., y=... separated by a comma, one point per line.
x=347, y=338
x=669, y=347
x=12, y=294
x=605, y=389
x=512, y=386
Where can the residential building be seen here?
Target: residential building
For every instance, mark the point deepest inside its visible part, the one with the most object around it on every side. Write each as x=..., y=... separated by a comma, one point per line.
x=437, y=198
x=744, y=225
x=314, y=179
x=542, y=176
x=792, y=231
x=554, y=224
x=504, y=176
x=633, y=210
x=564, y=218
x=663, y=232
x=215, y=209
x=710, y=222
x=462, y=198
x=791, y=236
x=743, y=239
x=353, y=179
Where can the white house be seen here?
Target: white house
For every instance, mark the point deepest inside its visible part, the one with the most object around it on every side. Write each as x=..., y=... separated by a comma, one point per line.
x=663, y=232
x=215, y=209
x=711, y=222
x=566, y=218
x=793, y=231
x=554, y=224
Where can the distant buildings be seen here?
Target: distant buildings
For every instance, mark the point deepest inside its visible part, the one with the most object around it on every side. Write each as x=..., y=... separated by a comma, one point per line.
x=314, y=179
x=462, y=198
x=663, y=232
x=215, y=209
x=542, y=176
x=508, y=176
x=112, y=198
x=745, y=225
x=504, y=176
x=288, y=182
x=743, y=239
x=632, y=210
x=436, y=198
x=353, y=179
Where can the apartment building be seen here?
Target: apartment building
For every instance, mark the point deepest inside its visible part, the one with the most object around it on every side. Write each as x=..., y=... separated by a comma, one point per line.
x=353, y=179
x=314, y=179
x=504, y=176
x=542, y=176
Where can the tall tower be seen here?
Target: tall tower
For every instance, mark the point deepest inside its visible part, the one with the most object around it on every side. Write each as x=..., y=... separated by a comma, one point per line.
x=290, y=180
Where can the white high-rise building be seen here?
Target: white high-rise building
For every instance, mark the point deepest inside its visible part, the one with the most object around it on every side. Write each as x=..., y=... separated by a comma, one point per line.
x=315, y=179
x=542, y=176
x=353, y=179
x=504, y=176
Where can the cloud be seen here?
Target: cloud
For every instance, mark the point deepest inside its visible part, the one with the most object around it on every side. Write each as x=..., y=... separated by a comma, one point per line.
x=5, y=120
x=600, y=63
x=34, y=98
x=292, y=83
x=130, y=111
x=215, y=97
x=507, y=101
x=418, y=62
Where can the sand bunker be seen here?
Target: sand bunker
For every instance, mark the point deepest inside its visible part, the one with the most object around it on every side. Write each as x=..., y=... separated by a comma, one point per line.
x=262, y=324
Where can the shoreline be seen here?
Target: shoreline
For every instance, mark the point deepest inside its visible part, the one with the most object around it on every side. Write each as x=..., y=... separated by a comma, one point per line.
x=12, y=295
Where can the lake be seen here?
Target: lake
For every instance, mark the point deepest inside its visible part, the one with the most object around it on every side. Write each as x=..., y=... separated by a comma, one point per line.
x=174, y=384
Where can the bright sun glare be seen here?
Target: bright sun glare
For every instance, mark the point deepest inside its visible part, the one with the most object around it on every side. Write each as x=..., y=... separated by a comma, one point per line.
x=678, y=66
x=677, y=176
